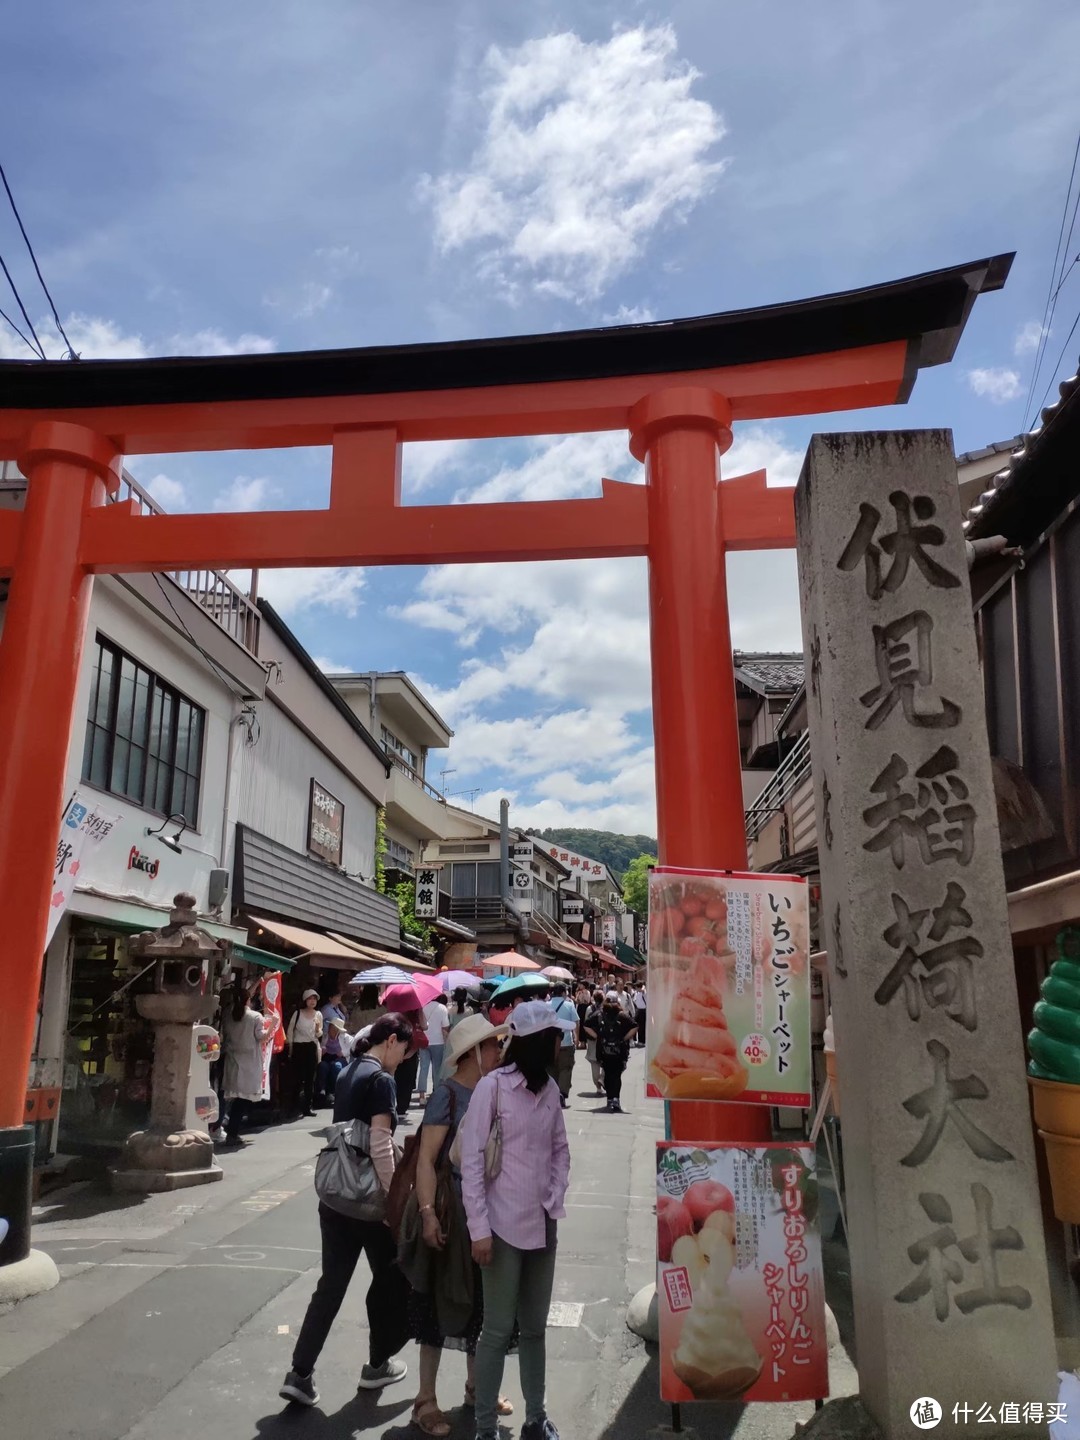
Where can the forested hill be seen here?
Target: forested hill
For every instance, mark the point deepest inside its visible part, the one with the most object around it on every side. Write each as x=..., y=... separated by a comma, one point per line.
x=616, y=851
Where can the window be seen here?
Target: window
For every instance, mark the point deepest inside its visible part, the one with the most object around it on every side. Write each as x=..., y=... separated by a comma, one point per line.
x=399, y=748
x=475, y=879
x=144, y=740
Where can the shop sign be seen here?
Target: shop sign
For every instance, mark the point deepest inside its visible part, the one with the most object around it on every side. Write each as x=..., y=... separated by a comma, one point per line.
x=739, y=1278
x=521, y=885
x=610, y=931
x=522, y=850
x=82, y=829
x=573, y=911
x=138, y=861
x=729, y=987
x=426, y=903
x=326, y=824
x=590, y=868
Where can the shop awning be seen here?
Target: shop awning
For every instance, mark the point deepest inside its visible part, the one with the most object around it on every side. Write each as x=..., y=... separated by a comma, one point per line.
x=629, y=956
x=605, y=957
x=452, y=928
x=567, y=947
x=335, y=954
x=263, y=958
x=370, y=955
x=135, y=918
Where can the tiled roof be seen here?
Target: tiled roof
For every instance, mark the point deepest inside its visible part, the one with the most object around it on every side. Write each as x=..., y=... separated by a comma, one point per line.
x=999, y=447
x=1003, y=508
x=769, y=674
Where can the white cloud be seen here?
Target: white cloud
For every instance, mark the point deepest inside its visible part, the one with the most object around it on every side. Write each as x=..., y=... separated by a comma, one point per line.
x=1028, y=338
x=95, y=338
x=330, y=667
x=559, y=468
x=629, y=315
x=999, y=386
x=588, y=149
x=169, y=493
x=424, y=462
x=247, y=492
x=336, y=588
x=213, y=342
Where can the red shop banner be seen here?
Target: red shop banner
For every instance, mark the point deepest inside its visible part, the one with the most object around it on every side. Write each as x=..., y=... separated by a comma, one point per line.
x=739, y=1279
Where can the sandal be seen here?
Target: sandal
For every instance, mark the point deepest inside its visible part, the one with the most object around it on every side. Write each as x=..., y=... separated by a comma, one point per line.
x=429, y=1419
x=503, y=1406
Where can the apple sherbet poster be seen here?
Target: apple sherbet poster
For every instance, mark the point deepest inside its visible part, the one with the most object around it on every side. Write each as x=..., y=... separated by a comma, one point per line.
x=739, y=1282
x=729, y=987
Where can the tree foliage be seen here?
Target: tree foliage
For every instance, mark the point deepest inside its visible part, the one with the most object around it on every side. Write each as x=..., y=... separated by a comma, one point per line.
x=616, y=851
x=636, y=883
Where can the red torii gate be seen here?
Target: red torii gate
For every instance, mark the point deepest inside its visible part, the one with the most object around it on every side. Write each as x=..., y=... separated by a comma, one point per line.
x=675, y=387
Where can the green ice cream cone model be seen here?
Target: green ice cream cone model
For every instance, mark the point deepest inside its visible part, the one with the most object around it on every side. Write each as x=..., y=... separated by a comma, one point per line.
x=1054, y=1074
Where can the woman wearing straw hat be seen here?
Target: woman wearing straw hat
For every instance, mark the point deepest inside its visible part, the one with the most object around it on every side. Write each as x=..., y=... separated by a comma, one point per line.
x=513, y=1206
x=473, y=1048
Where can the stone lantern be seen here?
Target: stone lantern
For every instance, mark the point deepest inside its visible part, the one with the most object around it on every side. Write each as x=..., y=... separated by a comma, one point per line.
x=189, y=960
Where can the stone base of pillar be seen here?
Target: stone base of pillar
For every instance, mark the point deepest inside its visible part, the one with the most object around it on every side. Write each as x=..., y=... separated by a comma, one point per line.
x=152, y=1182
x=643, y=1315
x=30, y=1276
x=843, y=1419
x=155, y=1160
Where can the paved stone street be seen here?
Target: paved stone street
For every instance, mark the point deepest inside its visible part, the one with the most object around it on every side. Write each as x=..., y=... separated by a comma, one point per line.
x=176, y=1314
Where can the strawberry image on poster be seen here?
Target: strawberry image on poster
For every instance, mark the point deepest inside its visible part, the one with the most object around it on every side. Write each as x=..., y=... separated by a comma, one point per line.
x=729, y=1003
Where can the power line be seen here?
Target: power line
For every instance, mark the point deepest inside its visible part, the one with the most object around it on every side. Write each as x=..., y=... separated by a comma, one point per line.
x=1057, y=363
x=22, y=337
x=37, y=268
x=1051, y=295
x=22, y=307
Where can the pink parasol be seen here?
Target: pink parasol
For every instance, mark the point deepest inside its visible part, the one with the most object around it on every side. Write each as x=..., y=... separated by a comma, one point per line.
x=556, y=972
x=510, y=960
x=404, y=997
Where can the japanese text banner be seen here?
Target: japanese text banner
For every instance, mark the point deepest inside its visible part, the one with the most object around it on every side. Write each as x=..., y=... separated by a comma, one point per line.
x=739, y=1280
x=729, y=987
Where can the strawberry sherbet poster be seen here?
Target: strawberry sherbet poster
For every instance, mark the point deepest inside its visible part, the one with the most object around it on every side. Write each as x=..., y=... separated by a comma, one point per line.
x=729, y=987
x=739, y=1281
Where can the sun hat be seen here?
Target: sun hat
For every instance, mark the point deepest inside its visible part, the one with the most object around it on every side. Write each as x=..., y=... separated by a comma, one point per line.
x=533, y=1016
x=308, y=994
x=466, y=1035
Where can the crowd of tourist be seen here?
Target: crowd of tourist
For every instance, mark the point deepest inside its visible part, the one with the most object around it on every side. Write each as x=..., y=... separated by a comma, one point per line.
x=459, y=1226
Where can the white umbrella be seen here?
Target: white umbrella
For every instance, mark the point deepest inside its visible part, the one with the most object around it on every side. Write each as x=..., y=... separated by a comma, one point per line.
x=556, y=972
x=382, y=975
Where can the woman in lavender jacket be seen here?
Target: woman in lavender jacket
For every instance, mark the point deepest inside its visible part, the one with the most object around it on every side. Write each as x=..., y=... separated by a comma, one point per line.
x=512, y=1216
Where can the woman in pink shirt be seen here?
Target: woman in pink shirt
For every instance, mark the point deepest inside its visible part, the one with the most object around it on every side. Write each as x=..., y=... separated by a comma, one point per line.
x=512, y=1215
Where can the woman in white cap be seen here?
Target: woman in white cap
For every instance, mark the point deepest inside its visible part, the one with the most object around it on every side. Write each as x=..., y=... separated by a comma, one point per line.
x=513, y=1200
x=473, y=1049
x=303, y=1035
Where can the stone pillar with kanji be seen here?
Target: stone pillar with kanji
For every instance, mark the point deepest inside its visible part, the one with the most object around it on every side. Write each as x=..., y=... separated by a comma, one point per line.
x=947, y=1256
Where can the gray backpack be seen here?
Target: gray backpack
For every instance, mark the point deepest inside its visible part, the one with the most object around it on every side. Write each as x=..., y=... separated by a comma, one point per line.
x=345, y=1178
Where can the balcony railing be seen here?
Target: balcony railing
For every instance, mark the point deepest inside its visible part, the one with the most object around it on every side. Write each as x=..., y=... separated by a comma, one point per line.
x=773, y=798
x=478, y=907
x=416, y=778
x=226, y=604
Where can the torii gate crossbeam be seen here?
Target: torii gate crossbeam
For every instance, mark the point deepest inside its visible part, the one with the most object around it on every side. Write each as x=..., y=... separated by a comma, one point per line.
x=676, y=388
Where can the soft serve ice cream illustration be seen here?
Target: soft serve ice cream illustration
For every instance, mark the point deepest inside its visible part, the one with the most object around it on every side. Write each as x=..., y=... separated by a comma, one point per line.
x=715, y=1356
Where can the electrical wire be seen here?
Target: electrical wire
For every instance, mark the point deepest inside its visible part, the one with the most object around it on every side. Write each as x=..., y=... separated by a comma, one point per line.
x=70, y=353
x=1057, y=363
x=18, y=332
x=22, y=307
x=226, y=680
x=1060, y=250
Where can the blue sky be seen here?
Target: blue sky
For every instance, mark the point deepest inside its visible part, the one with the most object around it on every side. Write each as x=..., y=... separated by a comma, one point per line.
x=208, y=179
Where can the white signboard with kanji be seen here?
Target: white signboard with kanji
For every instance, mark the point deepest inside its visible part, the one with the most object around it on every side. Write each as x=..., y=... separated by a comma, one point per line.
x=426, y=903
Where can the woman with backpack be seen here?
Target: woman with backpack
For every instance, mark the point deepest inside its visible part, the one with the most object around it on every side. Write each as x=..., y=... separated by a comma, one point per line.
x=365, y=1091
x=612, y=1029
x=515, y=1168
x=474, y=1049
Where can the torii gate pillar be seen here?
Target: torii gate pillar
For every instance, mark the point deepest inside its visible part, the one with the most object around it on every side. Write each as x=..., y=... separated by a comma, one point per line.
x=680, y=434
